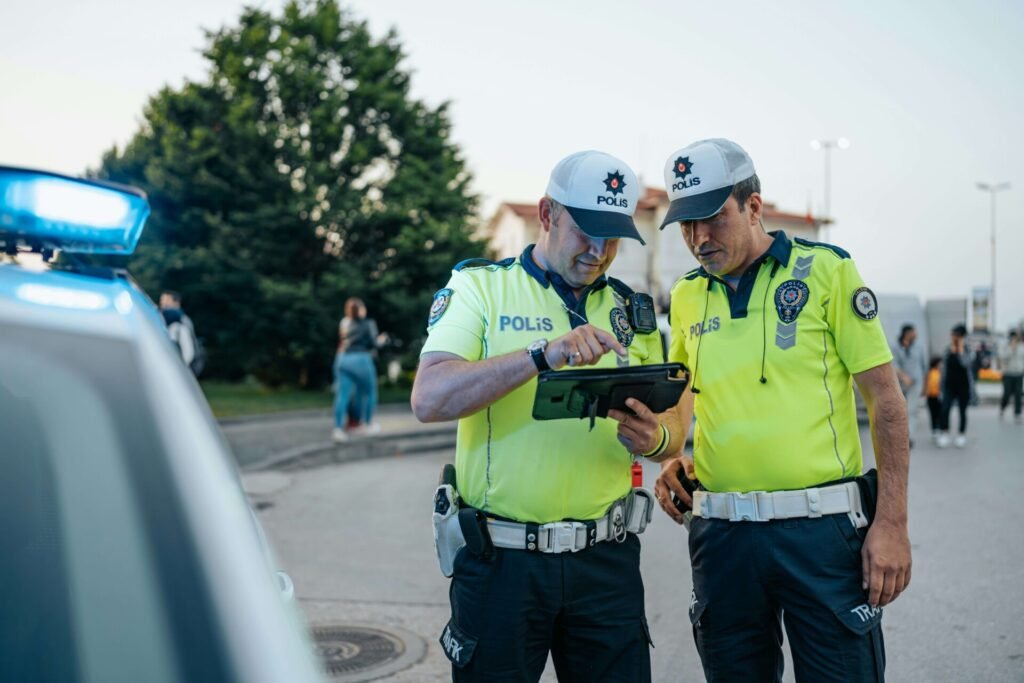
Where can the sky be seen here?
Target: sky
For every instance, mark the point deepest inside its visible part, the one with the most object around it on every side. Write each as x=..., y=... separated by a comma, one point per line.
x=928, y=94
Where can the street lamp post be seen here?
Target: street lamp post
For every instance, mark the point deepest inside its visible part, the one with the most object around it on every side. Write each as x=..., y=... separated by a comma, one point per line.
x=992, y=189
x=827, y=145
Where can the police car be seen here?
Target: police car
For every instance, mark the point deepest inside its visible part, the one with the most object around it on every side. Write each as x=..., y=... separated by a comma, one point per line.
x=129, y=550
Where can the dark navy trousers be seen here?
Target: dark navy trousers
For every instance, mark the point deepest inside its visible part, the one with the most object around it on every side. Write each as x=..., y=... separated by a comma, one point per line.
x=585, y=608
x=751, y=577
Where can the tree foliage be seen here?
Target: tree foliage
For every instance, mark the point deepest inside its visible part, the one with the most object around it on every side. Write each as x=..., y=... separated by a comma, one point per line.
x=299, y=173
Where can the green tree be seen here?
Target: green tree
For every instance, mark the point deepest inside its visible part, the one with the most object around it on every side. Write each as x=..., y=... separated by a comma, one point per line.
x=300, y=172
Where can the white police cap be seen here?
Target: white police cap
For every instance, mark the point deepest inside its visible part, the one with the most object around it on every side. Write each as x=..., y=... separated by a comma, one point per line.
x=600, y=193
x=700, y=177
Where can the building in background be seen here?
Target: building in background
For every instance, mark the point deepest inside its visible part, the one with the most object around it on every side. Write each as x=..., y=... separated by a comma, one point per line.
x=942, y=315
x=653, y=268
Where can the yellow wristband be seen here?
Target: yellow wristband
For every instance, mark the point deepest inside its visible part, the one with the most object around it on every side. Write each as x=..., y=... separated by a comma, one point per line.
x=661, y=446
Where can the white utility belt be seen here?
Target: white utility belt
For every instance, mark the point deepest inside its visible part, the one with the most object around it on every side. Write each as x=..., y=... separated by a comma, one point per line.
x=763, y=506
x=627, y=515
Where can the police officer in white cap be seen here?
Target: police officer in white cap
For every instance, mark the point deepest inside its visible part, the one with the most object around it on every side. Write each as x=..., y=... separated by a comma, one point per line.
x=775, y=331
x=551, y=562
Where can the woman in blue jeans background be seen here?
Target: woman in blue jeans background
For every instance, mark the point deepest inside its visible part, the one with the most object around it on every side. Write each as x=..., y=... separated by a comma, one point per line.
x=355, y=372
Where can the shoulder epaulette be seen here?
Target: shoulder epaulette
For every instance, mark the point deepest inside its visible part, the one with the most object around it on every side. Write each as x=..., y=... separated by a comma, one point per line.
x=690, y=276
x=484, y=262
x=620, y=287
x=841, y=253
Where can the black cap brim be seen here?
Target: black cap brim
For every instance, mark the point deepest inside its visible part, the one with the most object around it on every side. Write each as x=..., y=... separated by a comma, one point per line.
x=605, y=224
x=696, y=207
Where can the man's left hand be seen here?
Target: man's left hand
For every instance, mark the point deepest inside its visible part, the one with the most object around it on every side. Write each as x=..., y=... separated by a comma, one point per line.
x=640, y=432
x=885, y=562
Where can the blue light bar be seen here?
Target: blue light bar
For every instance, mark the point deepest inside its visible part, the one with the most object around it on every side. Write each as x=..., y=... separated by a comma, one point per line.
x=46, y=210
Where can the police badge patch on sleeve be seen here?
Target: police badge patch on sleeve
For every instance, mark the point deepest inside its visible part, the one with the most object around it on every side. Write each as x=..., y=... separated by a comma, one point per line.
x=442, y=298
x=620, y=326
x=865, y=304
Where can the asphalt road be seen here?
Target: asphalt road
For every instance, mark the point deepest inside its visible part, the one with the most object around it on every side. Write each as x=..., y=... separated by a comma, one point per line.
x=356, y=539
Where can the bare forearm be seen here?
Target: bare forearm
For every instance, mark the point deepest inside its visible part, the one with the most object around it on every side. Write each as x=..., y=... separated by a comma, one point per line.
x=677, y=420
x=448, y=387
x=887, y=412
x=454, y=388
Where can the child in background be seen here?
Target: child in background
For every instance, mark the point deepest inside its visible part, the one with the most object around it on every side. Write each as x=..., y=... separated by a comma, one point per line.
x=933, y=385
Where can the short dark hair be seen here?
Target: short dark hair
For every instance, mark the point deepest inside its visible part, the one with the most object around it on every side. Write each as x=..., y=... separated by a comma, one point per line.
x=934, y=362
x=960, y=330
x=743, y=189
x=1014, y=333
x=905, y=330
x=556, y=209
x=173, y=294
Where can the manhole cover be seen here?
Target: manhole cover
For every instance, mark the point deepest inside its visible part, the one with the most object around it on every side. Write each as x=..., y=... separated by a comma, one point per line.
x=362, y=652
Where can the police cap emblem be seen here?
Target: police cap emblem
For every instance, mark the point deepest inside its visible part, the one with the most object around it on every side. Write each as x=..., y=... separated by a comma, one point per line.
x=614, y=183
x=682, y=167
x=442, y=298
x=620, y=326
x=790, y=298
x=865, y=304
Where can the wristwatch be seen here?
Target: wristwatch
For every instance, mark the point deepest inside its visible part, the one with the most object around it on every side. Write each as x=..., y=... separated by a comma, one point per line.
x=536, y=351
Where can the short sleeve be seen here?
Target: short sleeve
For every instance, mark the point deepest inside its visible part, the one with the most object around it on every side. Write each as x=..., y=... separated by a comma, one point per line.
x=456, y=320
x=853, y=317
x=655, y=352
x=677, y=336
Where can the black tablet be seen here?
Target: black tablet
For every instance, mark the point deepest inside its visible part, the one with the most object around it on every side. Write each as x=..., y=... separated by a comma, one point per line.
x=592, y=393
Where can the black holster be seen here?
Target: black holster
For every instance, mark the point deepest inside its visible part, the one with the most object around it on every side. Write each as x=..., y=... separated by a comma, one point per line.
x=868, y=485
x=473, y=523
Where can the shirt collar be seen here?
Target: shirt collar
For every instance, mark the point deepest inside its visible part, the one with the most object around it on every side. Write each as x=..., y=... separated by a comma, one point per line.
x=781, y=247
x=531, y=267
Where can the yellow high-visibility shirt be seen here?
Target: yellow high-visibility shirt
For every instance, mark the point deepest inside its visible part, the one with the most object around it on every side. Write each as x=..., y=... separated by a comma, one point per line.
x=507, y=463
x=801, y=319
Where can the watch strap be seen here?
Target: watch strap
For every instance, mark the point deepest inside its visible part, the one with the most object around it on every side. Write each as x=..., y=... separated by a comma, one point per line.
x=539, y=359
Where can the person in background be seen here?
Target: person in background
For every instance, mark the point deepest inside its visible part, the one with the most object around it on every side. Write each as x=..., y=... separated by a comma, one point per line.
x=957, y=385
x=1011, y=362
x=355, y=371
x=179, y=326
x=908, y=359
x=933, y=390
x=981, y=360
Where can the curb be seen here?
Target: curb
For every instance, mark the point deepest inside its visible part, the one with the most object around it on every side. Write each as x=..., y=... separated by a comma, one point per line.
x=307, y=414
x=379, y=446
x=283, y=416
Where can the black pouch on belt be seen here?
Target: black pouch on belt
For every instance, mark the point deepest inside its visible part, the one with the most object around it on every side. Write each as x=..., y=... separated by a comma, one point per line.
x=474, y=529
x=868, y=485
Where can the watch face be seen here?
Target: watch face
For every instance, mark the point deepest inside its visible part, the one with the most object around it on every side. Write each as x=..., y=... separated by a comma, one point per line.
x=538, y=345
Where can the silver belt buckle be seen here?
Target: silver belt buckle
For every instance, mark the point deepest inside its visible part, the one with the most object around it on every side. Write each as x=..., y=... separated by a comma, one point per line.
x=562, y=537
x=744, y=507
